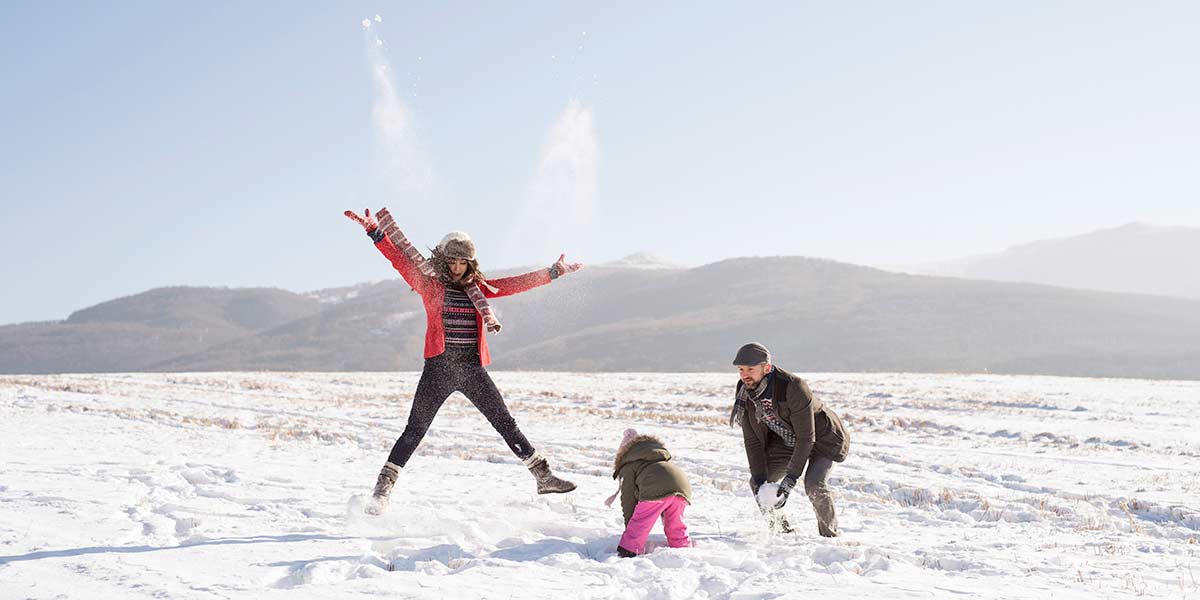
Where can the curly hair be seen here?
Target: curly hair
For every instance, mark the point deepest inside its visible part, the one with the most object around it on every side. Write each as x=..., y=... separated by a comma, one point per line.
x=472, y=274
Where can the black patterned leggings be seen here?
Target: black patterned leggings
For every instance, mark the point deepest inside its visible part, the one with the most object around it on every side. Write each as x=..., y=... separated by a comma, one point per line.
x=449, y=372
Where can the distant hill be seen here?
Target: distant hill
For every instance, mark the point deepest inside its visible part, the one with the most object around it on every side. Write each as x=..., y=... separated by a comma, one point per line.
x=643, y=260
x=376, y=327
x=824, y=316
x=1134, y=258
x=133, y=332
x=816, y=315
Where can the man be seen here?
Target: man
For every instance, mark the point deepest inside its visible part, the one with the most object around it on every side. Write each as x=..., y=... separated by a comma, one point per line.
x=784, y=428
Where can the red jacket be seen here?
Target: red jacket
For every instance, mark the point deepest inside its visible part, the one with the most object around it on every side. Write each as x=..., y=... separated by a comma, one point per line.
x=433, y=296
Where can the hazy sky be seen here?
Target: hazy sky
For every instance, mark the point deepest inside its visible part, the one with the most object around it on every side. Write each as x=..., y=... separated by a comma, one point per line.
x=163, y=143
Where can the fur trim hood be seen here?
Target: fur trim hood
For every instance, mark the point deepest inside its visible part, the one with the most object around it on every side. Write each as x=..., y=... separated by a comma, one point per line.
x=641, y=447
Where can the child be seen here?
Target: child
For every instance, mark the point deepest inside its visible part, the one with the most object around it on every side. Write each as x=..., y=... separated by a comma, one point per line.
x=650, y=486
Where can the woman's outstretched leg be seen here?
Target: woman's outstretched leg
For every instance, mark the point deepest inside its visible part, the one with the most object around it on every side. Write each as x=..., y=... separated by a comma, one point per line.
x=432, y=390
x=435, y=386
x=483, y=393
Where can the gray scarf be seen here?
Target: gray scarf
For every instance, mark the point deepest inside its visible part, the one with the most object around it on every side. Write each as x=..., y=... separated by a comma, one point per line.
x=764, y=409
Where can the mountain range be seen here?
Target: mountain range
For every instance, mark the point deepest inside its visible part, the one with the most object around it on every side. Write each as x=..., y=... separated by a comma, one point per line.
x=1135, y=258
x=641, y=315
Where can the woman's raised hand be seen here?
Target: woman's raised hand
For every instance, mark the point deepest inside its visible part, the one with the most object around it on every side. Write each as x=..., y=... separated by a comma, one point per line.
x=367, y=221
x=562, y=267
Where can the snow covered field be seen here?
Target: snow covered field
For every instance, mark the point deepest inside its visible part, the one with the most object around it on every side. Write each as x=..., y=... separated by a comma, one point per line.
x=248, y=485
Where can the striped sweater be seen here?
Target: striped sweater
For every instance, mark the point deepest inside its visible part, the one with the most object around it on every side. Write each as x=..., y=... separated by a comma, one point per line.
x=459, y=318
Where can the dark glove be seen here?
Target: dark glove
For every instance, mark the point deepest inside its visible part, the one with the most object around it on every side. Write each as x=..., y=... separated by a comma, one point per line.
x=756, y=482
x=785, y=488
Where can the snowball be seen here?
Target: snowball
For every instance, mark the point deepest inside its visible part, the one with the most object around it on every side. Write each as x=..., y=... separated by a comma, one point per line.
x=378, y=19
x=768, y=495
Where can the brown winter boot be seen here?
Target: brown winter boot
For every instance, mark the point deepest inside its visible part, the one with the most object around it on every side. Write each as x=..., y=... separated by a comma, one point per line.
x=383, y=489
x=547, y=482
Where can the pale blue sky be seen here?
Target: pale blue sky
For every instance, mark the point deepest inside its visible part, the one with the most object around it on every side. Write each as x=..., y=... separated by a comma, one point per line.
x=151, y=143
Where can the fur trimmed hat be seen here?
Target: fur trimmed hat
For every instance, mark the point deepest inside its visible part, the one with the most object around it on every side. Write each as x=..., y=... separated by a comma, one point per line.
x=457, y=244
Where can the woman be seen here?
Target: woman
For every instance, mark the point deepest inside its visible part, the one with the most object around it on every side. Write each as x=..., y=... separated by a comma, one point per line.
x=452, y=289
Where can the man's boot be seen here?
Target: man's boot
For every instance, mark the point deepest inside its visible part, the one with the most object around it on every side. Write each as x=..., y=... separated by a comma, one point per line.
x=547, y=482
x=383, y=489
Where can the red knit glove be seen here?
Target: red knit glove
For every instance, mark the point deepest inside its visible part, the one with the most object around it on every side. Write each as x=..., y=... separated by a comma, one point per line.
x=367, y=221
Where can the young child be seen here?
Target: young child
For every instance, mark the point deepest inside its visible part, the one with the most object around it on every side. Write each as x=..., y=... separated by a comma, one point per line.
x=650, y=485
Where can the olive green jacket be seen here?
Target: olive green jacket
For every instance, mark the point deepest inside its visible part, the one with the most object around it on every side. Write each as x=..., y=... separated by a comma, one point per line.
x=646, y=473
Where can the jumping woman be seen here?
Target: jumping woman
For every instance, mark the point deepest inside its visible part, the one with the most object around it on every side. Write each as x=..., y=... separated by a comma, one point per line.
x=455, y=294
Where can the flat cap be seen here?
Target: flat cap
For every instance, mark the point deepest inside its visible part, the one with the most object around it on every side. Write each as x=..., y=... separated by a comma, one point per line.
x=752, y=354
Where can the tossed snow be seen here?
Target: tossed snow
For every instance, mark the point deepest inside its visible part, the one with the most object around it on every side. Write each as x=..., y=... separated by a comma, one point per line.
x=250, y=485
x=403, y=162
x=561, y=201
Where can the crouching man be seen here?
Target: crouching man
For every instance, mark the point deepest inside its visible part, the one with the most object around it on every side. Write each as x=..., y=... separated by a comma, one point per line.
x=785, y=429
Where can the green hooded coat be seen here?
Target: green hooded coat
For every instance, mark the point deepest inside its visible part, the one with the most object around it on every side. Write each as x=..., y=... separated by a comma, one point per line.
x=646, y=473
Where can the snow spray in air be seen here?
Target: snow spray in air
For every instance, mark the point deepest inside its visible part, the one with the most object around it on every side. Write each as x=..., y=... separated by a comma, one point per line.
x=560, y=202
x=403, y=164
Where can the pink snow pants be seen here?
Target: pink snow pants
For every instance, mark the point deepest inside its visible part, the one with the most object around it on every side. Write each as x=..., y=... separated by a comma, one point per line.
x=644, y=516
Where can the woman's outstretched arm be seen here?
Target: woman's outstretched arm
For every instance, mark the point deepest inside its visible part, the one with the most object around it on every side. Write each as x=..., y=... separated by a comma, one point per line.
x=507, y=286
x=383, y=232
